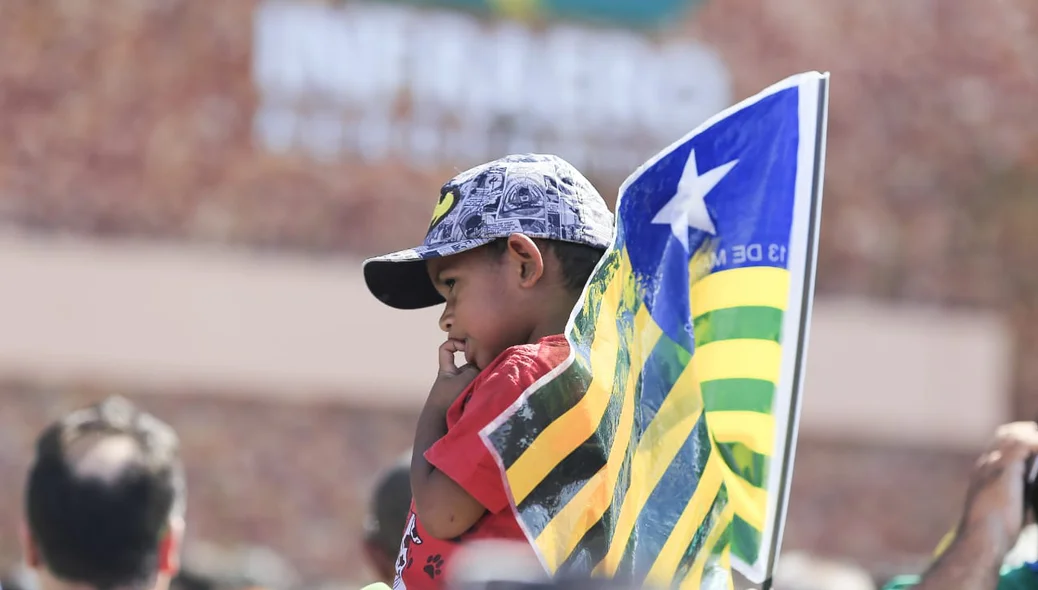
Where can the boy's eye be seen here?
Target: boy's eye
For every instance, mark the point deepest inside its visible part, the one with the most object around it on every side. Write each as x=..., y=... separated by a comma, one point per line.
x=449, y=283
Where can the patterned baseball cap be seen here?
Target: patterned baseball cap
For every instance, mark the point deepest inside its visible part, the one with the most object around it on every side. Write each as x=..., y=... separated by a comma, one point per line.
x=541, y=196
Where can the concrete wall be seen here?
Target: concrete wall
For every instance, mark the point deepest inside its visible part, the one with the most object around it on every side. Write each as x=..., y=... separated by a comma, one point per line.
x=178, y=316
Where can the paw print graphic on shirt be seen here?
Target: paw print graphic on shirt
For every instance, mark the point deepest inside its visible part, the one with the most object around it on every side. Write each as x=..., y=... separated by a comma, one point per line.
x=433, y=566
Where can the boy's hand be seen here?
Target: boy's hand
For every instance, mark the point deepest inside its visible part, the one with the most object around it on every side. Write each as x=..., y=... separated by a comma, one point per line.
x=444, y=507
x=451, y=379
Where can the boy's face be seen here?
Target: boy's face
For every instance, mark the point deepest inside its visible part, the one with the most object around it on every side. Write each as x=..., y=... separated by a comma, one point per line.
x=485, y=303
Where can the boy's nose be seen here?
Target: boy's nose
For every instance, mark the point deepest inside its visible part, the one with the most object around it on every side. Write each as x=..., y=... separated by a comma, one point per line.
x=446, y=320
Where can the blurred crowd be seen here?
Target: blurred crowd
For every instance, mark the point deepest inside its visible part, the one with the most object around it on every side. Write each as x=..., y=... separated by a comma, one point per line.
x=105, y=500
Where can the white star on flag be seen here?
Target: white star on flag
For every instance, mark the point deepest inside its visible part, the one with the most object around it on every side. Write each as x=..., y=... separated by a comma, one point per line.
x=687, y=208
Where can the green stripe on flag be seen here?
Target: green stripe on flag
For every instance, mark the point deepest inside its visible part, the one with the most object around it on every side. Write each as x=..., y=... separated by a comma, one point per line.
x=751, y=466
x=584, y=323
x=758, y=323
x=745, y=540
x=723, y=540
x=738, y=395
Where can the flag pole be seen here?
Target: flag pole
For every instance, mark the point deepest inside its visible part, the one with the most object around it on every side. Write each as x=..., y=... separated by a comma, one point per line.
x=791, y=433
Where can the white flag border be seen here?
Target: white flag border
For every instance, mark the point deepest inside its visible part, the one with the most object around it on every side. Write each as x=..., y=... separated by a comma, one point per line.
x=803, y=257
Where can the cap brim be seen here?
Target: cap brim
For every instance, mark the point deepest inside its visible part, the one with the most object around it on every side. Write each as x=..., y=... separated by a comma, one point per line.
x=401, y=280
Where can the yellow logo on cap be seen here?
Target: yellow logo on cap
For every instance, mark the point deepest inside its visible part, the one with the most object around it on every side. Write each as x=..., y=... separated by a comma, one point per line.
x=443, y=207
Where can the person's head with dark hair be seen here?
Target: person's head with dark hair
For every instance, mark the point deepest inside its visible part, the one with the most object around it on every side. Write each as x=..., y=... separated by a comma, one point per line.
x=188, y=579
x=104, y=501
x=387, y=517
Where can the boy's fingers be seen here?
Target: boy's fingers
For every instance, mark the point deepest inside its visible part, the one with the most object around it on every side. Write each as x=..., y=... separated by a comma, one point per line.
x=447, y=350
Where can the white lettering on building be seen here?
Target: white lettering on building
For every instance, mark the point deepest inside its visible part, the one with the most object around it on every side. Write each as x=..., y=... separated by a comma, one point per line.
x=374, y=80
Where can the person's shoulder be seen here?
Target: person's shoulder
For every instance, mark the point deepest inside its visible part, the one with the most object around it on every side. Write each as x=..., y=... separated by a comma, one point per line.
x=523, y=364
x=541, y=356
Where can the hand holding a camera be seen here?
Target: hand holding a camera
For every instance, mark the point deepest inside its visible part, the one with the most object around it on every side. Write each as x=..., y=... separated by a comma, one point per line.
x=1001, y=492
x=997, y=500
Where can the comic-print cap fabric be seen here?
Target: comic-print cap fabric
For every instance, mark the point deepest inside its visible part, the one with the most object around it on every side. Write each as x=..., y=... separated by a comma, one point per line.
x=541, y=196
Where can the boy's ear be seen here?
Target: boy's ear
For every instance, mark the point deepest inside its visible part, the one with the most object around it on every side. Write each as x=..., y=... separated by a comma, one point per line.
x=527, y=258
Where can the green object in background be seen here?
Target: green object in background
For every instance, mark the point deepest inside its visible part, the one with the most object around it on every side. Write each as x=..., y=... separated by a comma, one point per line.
x=627, y=13
x=1021, y=578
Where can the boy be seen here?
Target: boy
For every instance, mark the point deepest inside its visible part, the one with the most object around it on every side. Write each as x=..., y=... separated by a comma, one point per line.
x=509, y=250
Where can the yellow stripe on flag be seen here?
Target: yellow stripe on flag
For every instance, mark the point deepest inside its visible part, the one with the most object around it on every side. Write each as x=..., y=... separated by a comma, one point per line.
x=565, y=530
x=753, y=429
x=726, y=565
x=749, y=502
x=569, y=431
x=646, y=334
x=738, y=359
x=666, y=564
x=694, y=579
x=755, y=285
x=660, y=443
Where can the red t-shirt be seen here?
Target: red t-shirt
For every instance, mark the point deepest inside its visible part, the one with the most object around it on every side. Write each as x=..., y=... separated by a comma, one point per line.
x=423, y=560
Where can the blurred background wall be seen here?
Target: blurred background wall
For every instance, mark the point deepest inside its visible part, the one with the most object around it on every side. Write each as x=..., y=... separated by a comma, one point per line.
x=187, y=189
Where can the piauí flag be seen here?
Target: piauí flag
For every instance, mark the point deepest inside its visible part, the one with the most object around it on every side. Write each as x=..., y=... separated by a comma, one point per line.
x=662, y=448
